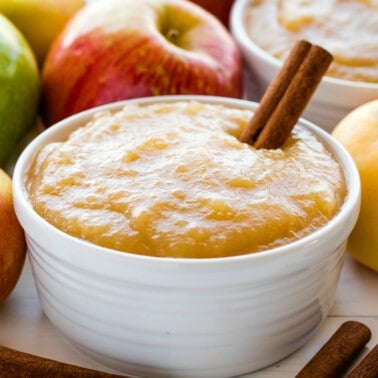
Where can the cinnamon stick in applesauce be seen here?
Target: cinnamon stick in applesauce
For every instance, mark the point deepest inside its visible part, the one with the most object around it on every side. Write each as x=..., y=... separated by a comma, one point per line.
x=337, y=354
x=287, y=96
x=16, y=364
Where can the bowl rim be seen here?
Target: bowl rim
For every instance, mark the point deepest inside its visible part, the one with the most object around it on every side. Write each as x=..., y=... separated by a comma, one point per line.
x=351, y=201
x=238, y=31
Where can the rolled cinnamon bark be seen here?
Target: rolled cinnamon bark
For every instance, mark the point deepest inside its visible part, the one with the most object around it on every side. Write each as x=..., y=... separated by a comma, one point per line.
x=16, y=364
x=287, y=96
x=275, y=91
x=336, y=355
x=368, y=367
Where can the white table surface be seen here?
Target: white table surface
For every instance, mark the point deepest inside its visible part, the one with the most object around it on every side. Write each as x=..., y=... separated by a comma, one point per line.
x=25, y=327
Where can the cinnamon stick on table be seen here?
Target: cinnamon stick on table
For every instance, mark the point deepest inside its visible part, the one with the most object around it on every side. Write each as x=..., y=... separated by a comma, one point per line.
x=287, y=96
x=368, y=367
x=16, y=364
x=336, y=355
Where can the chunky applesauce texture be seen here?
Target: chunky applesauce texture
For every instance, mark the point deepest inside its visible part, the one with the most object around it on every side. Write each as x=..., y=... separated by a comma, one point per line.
x=346, y=28
x=173, y=180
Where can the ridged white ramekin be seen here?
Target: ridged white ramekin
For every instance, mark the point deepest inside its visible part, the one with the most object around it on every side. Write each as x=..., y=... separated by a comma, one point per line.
x=185, y=317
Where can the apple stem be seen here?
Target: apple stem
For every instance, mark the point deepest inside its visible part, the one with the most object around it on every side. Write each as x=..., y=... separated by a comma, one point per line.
x=172, y=35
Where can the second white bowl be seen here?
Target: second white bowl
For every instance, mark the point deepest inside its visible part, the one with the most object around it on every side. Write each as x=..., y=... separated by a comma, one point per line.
x=333, y=99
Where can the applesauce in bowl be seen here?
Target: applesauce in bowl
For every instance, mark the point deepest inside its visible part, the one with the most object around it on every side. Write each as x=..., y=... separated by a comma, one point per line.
x=173, y=180
x=156, y=316
x=346, y=28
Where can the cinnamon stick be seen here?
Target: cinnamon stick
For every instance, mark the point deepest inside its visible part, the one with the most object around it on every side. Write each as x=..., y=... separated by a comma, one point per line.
x=287, y=96
x=368, y=367
x=336, y=355
x=16, y=364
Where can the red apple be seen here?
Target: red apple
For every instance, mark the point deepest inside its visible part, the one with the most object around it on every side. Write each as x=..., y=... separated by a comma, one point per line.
x=119, y=49
x=219, y=8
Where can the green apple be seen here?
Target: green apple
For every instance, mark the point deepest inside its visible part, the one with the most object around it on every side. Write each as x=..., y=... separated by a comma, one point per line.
x=19, y=88
x=40, y=20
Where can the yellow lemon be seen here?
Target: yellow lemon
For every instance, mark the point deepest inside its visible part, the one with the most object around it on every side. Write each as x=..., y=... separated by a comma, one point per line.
x=358, y=133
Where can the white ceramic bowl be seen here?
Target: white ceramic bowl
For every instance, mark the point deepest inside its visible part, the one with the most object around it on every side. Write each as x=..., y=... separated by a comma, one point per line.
x=333, y=99
x=171, y=317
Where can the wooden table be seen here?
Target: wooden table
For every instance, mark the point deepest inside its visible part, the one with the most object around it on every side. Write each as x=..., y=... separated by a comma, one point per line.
x=26, y=328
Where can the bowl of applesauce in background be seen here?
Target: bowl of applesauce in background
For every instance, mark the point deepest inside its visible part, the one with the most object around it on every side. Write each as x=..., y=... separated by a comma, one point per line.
x=163, y=246
x=266, y=30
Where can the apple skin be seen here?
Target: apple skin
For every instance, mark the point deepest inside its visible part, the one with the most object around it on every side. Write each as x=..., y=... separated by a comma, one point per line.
x=12, y=240
x=40, y=20
x=120, y=49
x=19, y=88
